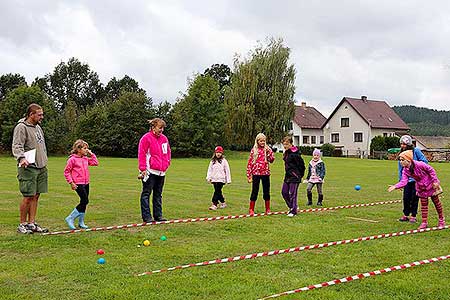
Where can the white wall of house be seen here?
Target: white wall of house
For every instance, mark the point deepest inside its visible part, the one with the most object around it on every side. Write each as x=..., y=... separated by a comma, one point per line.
x=346, y=135
x=304, y=137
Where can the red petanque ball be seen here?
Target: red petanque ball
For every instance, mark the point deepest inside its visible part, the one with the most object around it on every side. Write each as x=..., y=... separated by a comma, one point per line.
x=100, y=252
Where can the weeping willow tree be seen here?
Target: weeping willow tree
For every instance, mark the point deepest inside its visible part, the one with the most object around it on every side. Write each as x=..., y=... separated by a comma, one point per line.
x=260, y=97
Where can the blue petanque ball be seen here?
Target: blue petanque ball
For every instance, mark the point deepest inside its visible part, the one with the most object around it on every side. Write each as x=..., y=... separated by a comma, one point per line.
x=101, y=260
x=357, y=187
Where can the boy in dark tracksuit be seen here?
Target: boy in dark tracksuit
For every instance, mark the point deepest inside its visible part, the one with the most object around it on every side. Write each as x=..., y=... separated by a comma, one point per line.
x=295, y=169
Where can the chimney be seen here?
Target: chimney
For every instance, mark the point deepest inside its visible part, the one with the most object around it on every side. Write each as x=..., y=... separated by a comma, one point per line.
x=364, y=98
x=303, y=104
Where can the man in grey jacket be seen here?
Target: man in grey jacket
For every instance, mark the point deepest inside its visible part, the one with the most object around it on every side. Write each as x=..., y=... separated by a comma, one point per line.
x=28, y=147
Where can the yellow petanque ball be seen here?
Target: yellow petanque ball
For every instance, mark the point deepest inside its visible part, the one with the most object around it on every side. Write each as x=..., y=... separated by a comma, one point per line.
x=146, y=243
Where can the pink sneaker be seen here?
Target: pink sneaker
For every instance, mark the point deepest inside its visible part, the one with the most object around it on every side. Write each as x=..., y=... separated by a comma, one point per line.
x=423, y=225
x=212, y=207
x=441, y=223
x=223, y=205
x=404, y=219
x=412, y=220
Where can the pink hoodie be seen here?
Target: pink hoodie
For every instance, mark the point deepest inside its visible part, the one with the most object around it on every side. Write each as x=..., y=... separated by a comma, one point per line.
x=154, y=153
x=424, y=175
x=219, y=172
x=77, y=170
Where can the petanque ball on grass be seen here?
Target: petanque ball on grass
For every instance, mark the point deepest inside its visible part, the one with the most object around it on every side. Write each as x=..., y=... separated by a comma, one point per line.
x=146, y=243
x=163, y=238
x=357, y=187
x=101, y=261
x=100, y=252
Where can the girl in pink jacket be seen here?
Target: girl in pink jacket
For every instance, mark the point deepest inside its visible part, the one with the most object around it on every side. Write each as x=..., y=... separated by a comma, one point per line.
x=258, y=170
x=77, y=175
x=218, y=174
x=427, y=185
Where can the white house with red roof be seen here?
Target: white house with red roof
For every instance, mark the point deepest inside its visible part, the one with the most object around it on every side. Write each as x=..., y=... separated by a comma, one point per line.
x=354, y=122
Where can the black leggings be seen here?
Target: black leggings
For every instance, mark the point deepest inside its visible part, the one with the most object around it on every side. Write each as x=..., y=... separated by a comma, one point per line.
x=83, y=191
x=265, y=179
x=218, y=196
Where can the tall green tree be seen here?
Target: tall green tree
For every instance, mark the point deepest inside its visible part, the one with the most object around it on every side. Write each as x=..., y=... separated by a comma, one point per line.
x=9, y=82
x=198, y=119
x=260, y=97
x=72, y=81
x=14, y=108
x=116, y=87
x=222, y=73
x=114, y=129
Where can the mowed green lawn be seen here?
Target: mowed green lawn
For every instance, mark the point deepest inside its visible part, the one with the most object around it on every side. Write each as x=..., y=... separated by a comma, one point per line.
x=65, y=266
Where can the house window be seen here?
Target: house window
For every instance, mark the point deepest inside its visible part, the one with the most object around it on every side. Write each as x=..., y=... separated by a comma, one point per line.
x=305, y=139
x=321, y=139
x=313, y=139
x=335, y=137
x=385, y=134
x=358, y=137
x=290, y=126
x=345, y=122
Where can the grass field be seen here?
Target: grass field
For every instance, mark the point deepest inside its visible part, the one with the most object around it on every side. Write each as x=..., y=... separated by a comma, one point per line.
x=64, y=266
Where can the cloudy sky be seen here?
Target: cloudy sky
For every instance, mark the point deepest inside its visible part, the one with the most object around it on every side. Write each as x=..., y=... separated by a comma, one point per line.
x=398, y=51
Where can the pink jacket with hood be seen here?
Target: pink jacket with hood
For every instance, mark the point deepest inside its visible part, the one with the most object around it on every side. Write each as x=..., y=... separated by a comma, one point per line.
x=77, y=170
x=424, y=175
x=154, y=153
x=219, y=171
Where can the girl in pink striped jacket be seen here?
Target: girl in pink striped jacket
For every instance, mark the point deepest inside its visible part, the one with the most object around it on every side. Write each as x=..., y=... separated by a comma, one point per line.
x=218, y=174
x=427, y=185
x=258, y=170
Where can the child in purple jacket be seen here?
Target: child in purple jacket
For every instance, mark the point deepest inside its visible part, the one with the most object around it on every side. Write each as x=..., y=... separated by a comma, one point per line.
x=427, y=185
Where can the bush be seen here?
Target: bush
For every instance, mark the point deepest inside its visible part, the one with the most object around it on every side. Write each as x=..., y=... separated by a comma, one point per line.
x=328, y=149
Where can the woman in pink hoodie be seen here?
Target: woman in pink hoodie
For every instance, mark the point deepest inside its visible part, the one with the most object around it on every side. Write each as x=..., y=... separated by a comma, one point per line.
x=218, y=174
x=77, y=175
x=427, y=185
x=154, y=158
x=258, y=170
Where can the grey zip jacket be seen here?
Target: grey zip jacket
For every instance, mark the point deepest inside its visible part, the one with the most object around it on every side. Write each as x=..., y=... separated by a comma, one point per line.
x=28, y=137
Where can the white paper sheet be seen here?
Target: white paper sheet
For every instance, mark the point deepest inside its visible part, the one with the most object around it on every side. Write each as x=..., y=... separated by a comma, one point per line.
x=30, y=156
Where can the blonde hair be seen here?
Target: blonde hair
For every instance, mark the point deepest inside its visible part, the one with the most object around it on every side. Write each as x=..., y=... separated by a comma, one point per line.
x=77, y=146
x=259, y=136
x=154, y=122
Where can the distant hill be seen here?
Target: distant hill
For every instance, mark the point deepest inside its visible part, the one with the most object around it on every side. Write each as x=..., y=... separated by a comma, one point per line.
x=425, y=121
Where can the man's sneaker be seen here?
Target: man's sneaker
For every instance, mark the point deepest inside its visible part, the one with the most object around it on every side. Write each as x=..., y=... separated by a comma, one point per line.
x=22, y=228
x=212, y=207
x=412, y=220
x=404, y=219
x=424, y=225
x=223, y=205
x=36, y=228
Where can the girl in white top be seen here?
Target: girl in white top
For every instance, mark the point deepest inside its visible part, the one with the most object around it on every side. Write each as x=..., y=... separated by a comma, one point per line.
x=218, y=174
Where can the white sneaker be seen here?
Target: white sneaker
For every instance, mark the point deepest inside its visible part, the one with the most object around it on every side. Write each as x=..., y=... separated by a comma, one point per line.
x=212, y=207
x=290, y=215
x=223, y=205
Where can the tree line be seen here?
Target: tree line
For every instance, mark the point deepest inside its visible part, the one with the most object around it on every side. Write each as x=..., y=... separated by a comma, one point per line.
x=425, y=121
x=221, y=106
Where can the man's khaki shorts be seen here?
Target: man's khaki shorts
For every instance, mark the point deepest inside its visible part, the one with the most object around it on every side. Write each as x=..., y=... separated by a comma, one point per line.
x=32, y=181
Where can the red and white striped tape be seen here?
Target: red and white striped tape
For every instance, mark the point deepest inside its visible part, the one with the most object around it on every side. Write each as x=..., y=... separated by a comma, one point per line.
x=290, y=250
x=191, y=220
x=359, y=276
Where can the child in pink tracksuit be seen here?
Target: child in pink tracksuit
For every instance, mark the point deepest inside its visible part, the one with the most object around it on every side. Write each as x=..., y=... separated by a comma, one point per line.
x=427, y=185
x=218, y=174
x=77, y=175
x=258, y=170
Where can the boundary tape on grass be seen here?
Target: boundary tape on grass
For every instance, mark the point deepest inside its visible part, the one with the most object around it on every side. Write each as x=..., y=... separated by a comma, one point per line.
x=359, y=276
x=291, y=250
x=204, y=219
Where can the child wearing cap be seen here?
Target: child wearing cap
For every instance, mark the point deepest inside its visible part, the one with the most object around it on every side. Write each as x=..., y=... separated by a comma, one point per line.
x=410, y=198
x=218, y=174
x=427, y=185
x=316, y=174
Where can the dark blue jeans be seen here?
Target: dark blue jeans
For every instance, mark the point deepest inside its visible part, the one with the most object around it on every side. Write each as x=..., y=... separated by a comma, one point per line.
x=410, y=199
x=153, y=184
